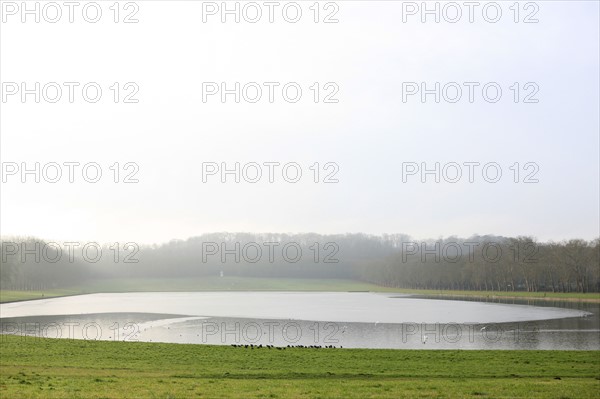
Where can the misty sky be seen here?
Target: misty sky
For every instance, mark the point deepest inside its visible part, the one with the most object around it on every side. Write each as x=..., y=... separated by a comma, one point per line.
x=368, y=133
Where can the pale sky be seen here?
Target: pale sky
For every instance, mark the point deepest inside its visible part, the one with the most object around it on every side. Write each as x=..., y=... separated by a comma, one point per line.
x=368, y=133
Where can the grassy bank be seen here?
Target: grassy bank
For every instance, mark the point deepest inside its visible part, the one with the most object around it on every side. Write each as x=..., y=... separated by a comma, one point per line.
x=587, y=296
x=12, y=296
x=230, y=284
x=270, y=284
x=194, y=284
x=45, y=368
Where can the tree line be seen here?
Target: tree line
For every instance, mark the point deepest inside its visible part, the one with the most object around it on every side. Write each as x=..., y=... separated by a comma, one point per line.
x=477, y=263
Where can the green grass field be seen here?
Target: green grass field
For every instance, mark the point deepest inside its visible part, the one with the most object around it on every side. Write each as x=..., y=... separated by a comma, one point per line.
x=46, y=368
x=198, y=284
x=230, y=284
x=587, y=296
x=269, y=284
x=12, y=296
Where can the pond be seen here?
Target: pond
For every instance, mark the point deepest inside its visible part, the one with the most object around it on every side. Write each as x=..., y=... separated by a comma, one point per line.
x=340, y=319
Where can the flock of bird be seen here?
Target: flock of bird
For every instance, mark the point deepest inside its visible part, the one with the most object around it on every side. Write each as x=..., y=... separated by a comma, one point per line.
x=280, y=348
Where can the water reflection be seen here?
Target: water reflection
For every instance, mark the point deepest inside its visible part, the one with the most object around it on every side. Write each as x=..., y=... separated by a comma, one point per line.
x=567, y=333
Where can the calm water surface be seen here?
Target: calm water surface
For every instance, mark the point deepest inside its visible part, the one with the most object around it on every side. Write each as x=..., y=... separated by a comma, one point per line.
x=352, y=320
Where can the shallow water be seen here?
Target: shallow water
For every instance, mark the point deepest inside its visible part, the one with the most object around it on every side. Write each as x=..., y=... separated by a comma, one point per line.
x=359, y=320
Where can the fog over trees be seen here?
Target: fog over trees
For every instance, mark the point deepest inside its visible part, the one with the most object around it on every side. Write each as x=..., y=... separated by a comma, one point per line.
x=474, y=263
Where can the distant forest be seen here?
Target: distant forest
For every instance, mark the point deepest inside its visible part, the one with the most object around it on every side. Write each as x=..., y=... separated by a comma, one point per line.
x=475, y=263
